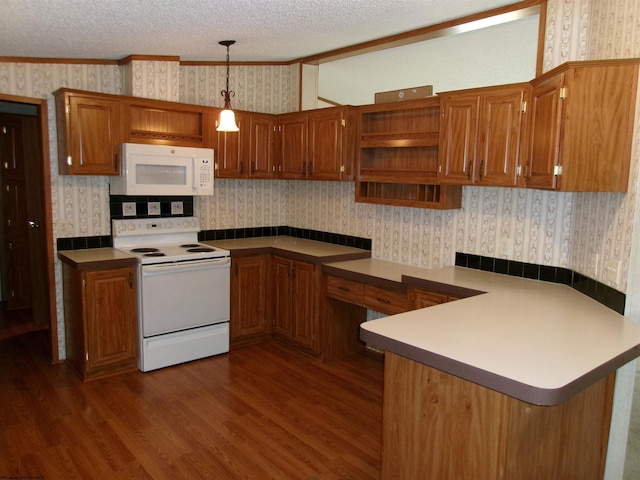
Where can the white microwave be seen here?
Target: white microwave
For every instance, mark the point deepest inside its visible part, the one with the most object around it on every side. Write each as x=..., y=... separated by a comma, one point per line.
x=164, y=170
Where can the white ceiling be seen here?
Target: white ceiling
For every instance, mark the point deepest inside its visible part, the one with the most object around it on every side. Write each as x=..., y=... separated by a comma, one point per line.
x=265, y=30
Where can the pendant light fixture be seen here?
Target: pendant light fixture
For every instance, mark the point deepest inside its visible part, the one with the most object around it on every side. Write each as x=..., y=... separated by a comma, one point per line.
x=227, y=121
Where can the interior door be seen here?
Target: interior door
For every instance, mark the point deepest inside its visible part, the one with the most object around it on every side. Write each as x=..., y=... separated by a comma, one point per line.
x=24, y=245
x=16, y=281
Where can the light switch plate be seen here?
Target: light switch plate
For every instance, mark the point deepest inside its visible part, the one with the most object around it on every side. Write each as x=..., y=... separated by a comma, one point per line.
x=177, y=208
x=153, y=208
x=128, y=209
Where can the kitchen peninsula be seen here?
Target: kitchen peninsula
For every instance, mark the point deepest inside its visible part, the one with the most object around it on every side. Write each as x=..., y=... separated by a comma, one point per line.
x=516, y=382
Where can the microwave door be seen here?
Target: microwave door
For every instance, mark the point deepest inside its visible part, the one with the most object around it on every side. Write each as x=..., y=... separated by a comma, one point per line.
x=159, y=176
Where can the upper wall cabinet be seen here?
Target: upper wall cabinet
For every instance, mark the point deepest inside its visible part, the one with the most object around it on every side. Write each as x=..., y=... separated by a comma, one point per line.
x=480, y=135
x=292, y=142
x=397, y=156
x=250, y=152
x=169, y=123
x=92, y=127
x=90, y=131
x=331, y=143
x=581, y=129
x=317, y=144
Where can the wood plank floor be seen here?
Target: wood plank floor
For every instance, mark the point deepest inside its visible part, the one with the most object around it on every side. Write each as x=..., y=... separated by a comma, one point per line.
x=260, y=412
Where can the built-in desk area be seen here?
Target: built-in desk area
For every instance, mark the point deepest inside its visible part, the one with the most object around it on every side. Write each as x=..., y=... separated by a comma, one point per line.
x=514, y=383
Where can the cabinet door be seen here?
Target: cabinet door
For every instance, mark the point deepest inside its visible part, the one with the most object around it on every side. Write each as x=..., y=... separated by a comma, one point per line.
x=423, y=298
x=250, y=295
x=500, y=129
x=293, y=146
x=326, y=155
x=458, y=135
x=282, y=317
x=110, y=311
x=304, y=307
x=93, y=135
x=544, y=134
x=261, y=146
x=232, y=148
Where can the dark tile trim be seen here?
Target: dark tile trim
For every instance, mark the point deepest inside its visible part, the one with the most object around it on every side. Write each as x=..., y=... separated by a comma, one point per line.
x=600, y=292
x=80, y=243
x=327, y=237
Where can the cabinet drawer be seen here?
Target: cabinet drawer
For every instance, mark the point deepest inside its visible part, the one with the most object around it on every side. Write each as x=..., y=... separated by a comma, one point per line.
x=385, y=301
x=347, y=290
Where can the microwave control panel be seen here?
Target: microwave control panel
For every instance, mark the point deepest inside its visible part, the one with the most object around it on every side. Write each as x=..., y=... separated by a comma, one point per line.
x=205, y=176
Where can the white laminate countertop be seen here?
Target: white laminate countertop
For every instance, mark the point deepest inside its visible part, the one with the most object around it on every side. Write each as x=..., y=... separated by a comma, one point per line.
x=537, y=341
x=96, y=258
x=311, y=248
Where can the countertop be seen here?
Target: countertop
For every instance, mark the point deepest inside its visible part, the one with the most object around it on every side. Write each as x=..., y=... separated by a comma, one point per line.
x=537, y=341
x=96, y=258
x=320, y=251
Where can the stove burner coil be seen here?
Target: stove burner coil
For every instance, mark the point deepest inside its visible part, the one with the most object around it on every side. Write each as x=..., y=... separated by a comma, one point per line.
x=190, y=245
x=154, y=254
x=145, y=250
x=200, y=249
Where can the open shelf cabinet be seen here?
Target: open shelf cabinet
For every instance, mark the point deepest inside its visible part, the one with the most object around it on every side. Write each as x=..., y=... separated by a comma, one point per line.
x=397, y=156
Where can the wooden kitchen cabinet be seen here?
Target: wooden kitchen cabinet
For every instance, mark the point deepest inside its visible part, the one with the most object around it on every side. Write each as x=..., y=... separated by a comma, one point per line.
x=481, y=134
x=296, y=299
x=581, y=130
x=169, y=123
x=231, y=156
x=100, y=320
x=90, y=132
x=262, y=145
x=292, y=141
x=250, y=152
x=331, y=143
x=250, y=299
x=317, y=144
x=397, y=156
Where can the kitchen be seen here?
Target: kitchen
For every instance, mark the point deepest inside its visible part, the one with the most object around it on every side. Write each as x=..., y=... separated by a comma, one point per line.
x=80, y=204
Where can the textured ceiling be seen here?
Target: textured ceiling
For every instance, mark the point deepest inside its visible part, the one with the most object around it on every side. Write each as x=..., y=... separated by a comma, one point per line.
x=265, y=30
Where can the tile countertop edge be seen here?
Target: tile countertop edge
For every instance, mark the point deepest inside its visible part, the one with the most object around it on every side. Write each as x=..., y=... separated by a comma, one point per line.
x=521, y=391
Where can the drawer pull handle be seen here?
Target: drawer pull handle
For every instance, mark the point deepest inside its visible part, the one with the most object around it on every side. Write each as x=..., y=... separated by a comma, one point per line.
x=383, y=300
x=344, y=289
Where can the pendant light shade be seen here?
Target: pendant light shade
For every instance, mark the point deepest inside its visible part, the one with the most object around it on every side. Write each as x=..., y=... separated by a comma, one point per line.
x=227, y=122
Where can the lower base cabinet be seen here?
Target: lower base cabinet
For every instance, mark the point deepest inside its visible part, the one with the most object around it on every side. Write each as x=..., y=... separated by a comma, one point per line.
x=296, y=300
x=250, y=299
x=275, y=296
x=100, y=320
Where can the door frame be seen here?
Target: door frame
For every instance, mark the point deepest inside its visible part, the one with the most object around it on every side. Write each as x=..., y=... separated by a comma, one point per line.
x=43, y=113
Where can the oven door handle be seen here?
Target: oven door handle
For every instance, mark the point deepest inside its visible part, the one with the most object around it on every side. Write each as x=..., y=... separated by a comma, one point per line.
x=163, y=268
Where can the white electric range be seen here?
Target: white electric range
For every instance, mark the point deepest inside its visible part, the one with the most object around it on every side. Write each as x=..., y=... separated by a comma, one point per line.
x=183, y=290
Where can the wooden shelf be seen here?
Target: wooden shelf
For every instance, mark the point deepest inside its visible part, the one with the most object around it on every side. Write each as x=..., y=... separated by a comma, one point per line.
x=398, y=156
x=421, y=195
x=399, y=140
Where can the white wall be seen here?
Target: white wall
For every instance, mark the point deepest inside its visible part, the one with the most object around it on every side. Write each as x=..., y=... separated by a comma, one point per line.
x=500, y=54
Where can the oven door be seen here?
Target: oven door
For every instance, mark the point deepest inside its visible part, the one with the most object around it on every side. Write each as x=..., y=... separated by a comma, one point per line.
x=183, y=295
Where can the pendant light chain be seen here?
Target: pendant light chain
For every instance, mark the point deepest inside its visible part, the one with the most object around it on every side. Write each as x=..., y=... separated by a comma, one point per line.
x=227, y=121
x=227, y=94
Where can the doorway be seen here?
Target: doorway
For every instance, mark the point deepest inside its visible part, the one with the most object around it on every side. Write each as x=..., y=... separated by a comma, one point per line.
x=26, y=233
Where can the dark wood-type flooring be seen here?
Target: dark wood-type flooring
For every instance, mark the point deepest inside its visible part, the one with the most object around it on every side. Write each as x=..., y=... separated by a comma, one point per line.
x=260, y=412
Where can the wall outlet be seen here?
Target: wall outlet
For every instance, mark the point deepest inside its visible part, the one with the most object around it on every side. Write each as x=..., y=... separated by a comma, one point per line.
x=129, y=209
x=612, y=272
x=177, y=208
x=592, y=264
x=153, y=208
